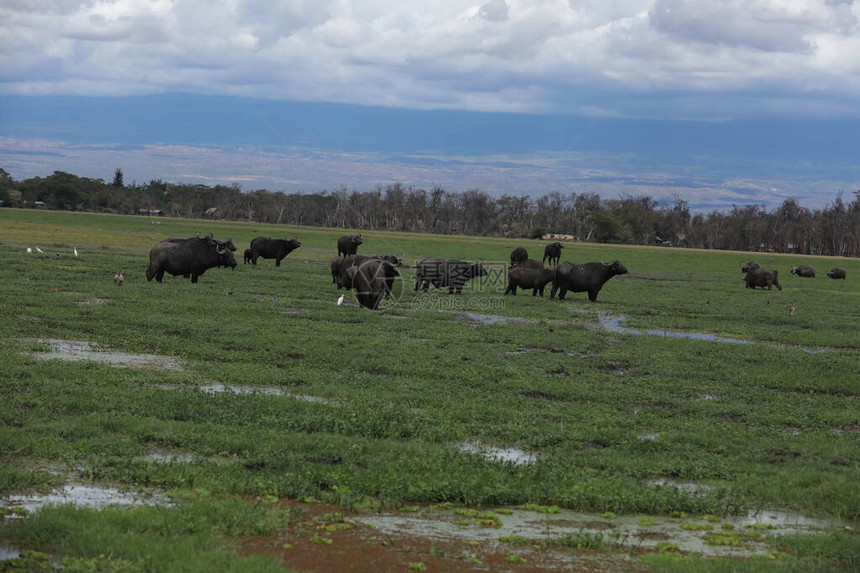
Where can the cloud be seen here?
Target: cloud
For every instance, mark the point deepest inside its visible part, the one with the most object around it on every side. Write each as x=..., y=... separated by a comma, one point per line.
x=633, y=58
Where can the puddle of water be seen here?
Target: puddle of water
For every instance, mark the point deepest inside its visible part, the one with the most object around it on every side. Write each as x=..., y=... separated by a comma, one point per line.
x=690, y=487
x=217, y=388
x=486, y=318
x=647, y=437
x=161, y=455
x=78, y=350
x=9, y=553
x=80, y=495
x=614, y=324
x=513, y=455
x=631, y=530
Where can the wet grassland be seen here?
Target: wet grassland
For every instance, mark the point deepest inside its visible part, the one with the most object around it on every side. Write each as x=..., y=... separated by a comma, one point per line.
x=267, y=391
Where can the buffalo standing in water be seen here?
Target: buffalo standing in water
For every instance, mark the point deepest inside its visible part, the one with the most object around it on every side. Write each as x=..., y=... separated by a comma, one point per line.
x=518, y=255
x=277, y=249
x=189, y=257
x=588, y=277
x=452, y=274
x=756, y=276
x=348, y=245
x=553, y=253
x=372, y=279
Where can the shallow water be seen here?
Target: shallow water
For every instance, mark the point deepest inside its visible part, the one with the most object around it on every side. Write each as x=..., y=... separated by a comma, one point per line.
x=80, y=495
x=161, y=455
x=9, y=553
x=217, y=388
x=77, y=350
x=513, y=455
x=690, y=487
x=611, y=323
x=629, y=530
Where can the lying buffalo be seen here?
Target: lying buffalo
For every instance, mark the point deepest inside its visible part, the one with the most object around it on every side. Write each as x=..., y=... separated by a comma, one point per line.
x=588, y=277
x=518, y=255
x=247, y=256
x=524, y=278
x=277, y=249
x=372, y=280
x=836, y=273
x=348, y=245
x=807, y=271
x=189, y=257
x=756, y=276
x=452, y=274
x=553, y=253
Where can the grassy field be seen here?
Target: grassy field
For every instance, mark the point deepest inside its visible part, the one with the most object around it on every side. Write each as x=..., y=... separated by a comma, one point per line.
x=375, y=406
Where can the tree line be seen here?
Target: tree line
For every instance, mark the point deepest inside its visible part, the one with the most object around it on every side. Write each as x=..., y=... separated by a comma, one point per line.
x=831, y=230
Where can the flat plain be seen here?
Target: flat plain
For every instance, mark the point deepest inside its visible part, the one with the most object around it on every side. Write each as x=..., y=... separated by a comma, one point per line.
x=681, y=423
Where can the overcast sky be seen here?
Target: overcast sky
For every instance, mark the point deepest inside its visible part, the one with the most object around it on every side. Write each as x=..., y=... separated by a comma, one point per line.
x=668, y=60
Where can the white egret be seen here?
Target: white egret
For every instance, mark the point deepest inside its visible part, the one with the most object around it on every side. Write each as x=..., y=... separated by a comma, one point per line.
x=340, y=300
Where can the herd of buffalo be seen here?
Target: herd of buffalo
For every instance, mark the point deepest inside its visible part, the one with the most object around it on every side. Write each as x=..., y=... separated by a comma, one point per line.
x=373, y=277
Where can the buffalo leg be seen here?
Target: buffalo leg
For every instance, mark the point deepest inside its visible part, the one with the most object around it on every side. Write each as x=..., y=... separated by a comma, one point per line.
x=277, y=262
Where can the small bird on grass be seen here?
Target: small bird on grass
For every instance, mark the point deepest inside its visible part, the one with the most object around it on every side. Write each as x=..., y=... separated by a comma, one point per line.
x=38, y=250
x=791, y=308
x=118, y=278
x=75, y=251
x=340, y=300
x=29, y=250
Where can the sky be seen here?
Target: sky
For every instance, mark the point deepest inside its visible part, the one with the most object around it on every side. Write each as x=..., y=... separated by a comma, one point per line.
x=719, y=102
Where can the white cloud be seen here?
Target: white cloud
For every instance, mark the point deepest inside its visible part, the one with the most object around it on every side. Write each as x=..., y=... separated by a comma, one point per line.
x=621, y=57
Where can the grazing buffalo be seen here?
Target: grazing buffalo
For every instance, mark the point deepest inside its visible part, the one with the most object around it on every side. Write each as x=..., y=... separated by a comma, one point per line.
x=836, y=273
x=756, y=276
x=535, y=279
x=807, y=271
x=189, y=257
x=452, y=274
x=518, y=255
x=248, y=254
x=553, y=253
x=372, y=279
x=348, y=245
x=277, y=249
x=588, y=277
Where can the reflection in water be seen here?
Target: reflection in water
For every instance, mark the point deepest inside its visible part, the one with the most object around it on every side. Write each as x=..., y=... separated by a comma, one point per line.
x=512, y=455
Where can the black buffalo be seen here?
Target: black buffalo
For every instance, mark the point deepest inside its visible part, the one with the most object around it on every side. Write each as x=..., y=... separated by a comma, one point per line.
x=836, y=273
x=588, y=277
x=189, y=257
x=553, y=253
x=756, y=276
x=340, y=274
x=348, y=245
x=531, y=264
x=247, y=256
x=372, y=279
x=452, y=274
x=518, y=255
x=277, y=249
x=525, y=278
x=807, y=271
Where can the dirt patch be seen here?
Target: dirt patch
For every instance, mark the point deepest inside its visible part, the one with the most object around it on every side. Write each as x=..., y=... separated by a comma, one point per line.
x=327, y=539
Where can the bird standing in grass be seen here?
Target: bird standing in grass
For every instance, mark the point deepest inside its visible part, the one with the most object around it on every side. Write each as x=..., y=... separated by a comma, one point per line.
x=791, y=308
x=29, y=250
x=340, y=300
x=75, y=251
x=118, y=278
x=38, y=250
